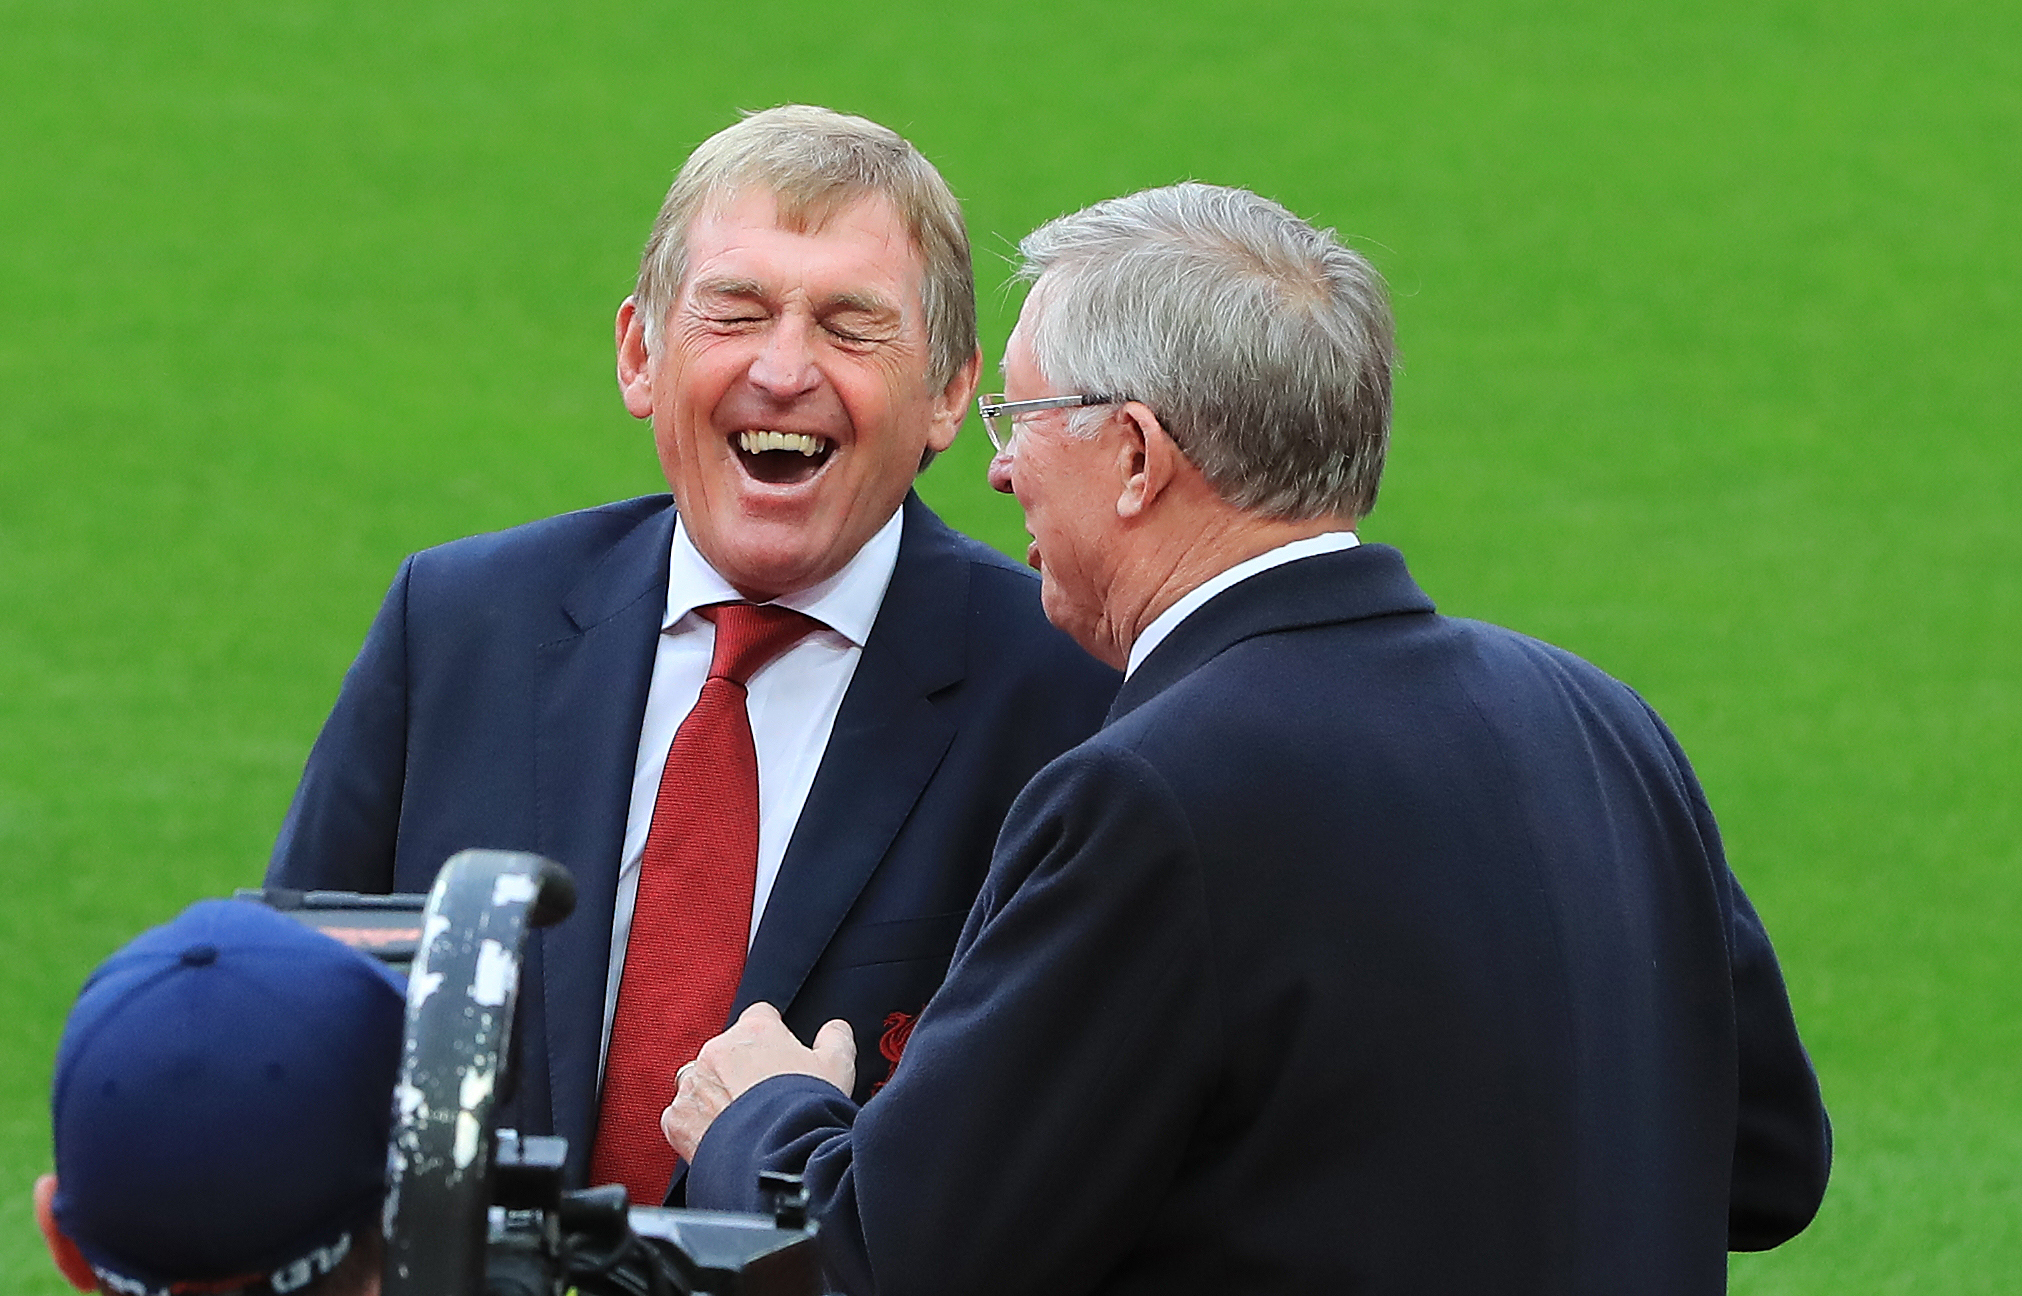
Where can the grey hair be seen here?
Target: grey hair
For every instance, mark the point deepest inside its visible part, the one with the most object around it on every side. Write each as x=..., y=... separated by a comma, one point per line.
x=816, y=162
x=1261, y=343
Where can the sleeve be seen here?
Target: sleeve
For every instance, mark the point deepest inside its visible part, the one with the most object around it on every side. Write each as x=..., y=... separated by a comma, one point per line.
x=341, y=828
x=1782, y=1137
x=1783, y=1140
x=1046, y=1095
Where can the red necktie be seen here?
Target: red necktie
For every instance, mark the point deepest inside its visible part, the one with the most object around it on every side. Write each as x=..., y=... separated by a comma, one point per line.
x=691, y=922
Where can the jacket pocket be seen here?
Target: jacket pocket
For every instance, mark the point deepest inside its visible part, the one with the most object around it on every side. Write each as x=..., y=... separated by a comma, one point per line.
x=896, y=940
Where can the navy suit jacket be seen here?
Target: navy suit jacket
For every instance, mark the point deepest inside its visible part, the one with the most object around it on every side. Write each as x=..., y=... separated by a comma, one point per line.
x=1363, y=951
x=497, y=702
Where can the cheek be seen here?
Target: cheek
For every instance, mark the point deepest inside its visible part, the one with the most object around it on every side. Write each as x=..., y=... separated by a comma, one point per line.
x=678, y=438
x=891, y=404
x=694, y=379
x=1068, y=517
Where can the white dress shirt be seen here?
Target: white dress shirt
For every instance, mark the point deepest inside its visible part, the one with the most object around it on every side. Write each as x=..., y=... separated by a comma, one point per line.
x=792, y=702
x=1167, y=621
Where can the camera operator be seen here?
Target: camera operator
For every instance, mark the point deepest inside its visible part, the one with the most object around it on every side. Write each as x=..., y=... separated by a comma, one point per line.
x=221, y=1109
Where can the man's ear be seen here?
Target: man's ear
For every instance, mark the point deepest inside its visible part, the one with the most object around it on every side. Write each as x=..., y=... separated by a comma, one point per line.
x=62, y=1250
x=635, y=364
x=951, y=403
x=1148, y=461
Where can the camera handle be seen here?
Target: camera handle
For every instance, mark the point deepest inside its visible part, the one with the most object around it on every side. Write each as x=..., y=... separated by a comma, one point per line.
x=461, y=993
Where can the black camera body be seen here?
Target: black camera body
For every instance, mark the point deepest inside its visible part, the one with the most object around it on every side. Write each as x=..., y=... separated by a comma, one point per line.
x=476, y=1211
x=541, y=1240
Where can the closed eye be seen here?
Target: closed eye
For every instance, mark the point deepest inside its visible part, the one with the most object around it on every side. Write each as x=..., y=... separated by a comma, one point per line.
x=860, y=318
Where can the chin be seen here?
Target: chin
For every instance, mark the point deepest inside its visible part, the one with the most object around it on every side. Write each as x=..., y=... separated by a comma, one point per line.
x=766, y=572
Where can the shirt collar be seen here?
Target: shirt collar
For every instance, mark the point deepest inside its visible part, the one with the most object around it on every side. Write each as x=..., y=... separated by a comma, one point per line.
x=846, y=602
x=1168, y=621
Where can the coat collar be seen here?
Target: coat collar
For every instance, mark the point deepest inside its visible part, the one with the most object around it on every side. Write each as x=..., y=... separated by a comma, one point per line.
x=589, y=692
x=888, y=739
x=1369, y=580
x=631, y=569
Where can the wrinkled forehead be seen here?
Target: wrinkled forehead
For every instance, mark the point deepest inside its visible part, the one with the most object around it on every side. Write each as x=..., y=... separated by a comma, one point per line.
x=808, y=209
x=855, y=215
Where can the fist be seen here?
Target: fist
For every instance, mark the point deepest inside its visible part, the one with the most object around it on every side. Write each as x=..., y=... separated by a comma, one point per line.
x=757, y=1047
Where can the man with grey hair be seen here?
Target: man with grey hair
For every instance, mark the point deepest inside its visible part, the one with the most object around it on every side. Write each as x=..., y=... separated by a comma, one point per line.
x=771, y=723
x=1364, y=950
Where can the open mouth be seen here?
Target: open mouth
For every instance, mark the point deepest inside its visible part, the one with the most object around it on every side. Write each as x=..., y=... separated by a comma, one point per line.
x=782, y=458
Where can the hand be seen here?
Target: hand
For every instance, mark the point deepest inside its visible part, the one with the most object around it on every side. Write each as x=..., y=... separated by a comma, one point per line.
x=757, y=1047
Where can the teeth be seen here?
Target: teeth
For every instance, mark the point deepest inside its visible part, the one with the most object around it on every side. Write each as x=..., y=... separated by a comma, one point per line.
x=759, y=442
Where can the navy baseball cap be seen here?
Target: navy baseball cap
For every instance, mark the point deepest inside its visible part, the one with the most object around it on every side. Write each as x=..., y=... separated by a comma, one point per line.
x=222, y=1103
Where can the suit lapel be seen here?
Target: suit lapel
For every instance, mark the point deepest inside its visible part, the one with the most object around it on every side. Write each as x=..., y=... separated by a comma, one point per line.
x=887, y=741
x=590, y=696
x=1367, y=581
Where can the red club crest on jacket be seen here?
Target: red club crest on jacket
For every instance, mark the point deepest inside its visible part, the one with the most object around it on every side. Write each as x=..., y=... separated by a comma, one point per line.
x=892, y=1044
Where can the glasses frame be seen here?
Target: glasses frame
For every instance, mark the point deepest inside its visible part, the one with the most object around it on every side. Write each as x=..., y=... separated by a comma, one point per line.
x=995, y=410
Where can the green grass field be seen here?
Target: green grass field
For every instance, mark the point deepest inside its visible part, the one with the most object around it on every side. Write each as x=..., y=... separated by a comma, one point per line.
x=1711, y=317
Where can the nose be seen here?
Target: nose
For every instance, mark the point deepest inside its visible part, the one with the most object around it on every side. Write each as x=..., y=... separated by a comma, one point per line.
x=1000, y=472
x=785, y=367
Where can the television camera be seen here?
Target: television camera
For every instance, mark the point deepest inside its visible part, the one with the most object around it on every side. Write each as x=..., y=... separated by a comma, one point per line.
x=476, y=1211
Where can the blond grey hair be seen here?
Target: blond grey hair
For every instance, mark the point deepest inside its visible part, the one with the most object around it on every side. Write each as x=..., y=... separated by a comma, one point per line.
x=1264, y=346
x=816, y=162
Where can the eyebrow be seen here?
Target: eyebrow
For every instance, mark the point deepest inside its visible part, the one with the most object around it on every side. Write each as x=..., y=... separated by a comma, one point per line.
x=728, y=288
x=862, y=302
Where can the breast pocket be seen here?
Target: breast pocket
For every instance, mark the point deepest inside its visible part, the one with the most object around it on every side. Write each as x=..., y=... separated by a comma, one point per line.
x=896, y=940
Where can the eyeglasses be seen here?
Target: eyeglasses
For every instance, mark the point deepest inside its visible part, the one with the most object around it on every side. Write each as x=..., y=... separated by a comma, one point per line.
x=1001, y=417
